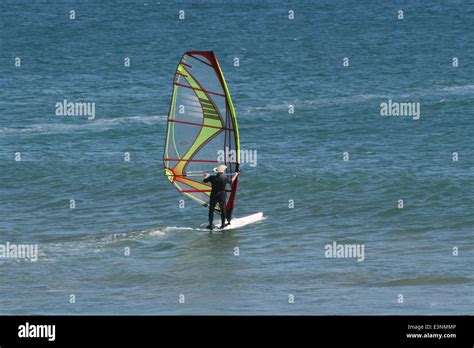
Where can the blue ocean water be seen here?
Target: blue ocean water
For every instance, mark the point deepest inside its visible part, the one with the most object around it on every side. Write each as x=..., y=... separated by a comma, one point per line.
x=283, y=62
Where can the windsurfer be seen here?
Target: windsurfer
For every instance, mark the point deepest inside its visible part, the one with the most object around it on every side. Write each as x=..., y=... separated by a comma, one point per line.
x=218, y=193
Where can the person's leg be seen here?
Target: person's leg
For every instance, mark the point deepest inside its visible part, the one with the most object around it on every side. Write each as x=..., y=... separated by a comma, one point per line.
x=228, y=216
x=212, y=206
x=222, y=205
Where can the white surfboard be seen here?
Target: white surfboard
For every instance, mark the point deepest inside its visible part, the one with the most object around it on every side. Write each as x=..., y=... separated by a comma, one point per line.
x=237, y=222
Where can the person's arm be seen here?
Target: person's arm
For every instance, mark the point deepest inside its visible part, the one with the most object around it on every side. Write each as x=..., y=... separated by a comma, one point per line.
x=236, y=174
x=207, y=177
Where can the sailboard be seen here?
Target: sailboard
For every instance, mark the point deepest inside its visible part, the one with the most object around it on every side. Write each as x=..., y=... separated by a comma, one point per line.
x=202, y=130
x=238, y=222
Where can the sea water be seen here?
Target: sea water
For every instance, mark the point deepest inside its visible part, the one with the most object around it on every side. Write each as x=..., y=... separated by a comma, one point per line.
x=309, y=80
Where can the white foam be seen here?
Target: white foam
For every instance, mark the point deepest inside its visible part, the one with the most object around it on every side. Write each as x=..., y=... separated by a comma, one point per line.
x=460, y=89
x=174, y=228
x=93, y=125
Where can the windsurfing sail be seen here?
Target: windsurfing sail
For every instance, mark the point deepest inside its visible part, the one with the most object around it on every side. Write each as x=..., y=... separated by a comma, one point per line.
x=202, y=128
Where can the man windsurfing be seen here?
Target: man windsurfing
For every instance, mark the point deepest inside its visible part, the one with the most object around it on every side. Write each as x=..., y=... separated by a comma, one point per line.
x=218, y=193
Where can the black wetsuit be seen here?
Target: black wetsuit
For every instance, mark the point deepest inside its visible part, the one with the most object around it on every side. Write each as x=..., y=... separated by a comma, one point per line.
x=218, y=195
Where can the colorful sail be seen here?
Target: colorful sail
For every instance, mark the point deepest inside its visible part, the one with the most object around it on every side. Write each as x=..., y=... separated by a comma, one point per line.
x=202, y=128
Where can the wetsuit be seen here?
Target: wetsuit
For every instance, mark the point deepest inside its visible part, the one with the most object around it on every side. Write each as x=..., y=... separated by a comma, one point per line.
x=218, y=195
